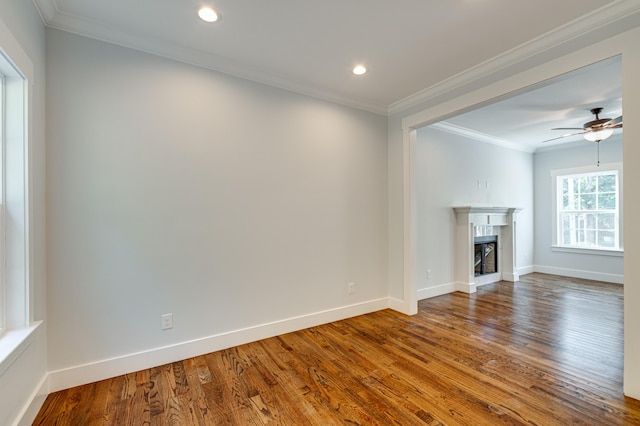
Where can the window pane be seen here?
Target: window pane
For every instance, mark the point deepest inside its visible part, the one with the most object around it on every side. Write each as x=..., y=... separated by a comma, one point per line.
x=607, y=239
x=568, y=224
x=574, y=185
x=606, y=201
x=606, y=221
x=588, y=184
x=590, y=238
x=607, y=183
x=569, y=202
x=570, y=220
x=588, y=202
x=591, y=221
x=580, y=184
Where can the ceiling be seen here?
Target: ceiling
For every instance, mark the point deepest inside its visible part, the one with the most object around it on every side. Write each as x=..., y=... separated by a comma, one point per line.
x=525, y=120
x=409, y=47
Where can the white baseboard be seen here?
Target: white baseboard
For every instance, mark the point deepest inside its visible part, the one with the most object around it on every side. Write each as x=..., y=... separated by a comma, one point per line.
x=510, y=277
x=575, y=273
x=526, y=270
x=104, y=369
x=481, y=280
x=469, y=288
x=439, y=290
x=35, y=402
x=401, y=306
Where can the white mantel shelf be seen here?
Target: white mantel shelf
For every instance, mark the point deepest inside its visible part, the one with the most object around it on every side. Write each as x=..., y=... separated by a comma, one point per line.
x=504, y=221
x=483, y=209
x=484, y=215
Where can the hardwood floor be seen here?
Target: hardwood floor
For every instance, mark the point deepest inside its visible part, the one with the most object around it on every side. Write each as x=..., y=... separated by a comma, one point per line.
x=545, y=351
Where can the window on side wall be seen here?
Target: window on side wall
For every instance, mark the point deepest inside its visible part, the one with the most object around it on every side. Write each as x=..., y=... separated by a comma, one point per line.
x=587, y=208
x=3, y=290
x=15, y=302
x=16, y=320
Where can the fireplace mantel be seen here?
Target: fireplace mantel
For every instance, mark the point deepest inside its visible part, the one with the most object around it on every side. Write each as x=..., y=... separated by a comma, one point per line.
x=470, y=220
x=496, y=216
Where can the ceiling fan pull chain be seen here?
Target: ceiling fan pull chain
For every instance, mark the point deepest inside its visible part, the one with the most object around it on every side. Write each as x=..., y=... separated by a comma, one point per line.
x=598, y=143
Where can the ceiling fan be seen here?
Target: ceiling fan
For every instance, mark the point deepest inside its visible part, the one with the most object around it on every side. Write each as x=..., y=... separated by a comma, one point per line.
x=595, y=130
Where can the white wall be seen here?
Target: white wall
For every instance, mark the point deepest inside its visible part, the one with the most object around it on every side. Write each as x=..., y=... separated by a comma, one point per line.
x=176, y=189
x=23, y=384
x=448, y=170
x=604, y=268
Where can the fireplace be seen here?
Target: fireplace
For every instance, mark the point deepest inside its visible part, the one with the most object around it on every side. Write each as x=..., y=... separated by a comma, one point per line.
x=485, y=259
x=485, y=246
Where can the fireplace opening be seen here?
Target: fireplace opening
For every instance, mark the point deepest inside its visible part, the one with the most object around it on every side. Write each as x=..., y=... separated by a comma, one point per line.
x=485, y=258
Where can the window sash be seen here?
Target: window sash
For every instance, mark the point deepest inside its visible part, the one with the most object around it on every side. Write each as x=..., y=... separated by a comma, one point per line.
x=3, y=284
x=597, y=230
x=586, y=214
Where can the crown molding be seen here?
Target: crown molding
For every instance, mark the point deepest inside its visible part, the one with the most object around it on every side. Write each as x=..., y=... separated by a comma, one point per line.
x=54, y=18
x=48, y=10
x=600, y=18
x=603, y=17
x=478, y=136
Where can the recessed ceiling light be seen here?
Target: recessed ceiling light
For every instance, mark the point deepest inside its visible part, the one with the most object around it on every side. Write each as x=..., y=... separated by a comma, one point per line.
x=359, y=69
x=207, y=14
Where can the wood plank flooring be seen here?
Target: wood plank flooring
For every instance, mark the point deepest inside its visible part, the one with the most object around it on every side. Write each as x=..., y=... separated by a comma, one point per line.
x=546, y=350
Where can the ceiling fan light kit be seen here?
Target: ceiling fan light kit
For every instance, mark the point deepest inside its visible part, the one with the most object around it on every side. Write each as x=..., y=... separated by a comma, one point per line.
x=598, y=135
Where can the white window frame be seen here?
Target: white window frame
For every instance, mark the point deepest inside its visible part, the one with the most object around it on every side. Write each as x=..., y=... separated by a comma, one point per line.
x=556, y=203
x=3, y=286
x=18, y=324
x=3, y=283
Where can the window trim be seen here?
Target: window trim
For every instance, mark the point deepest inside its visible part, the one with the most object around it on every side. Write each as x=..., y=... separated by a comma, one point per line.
x=3, y=284
x=555, y=236
x=17, y=68
x=588, y=250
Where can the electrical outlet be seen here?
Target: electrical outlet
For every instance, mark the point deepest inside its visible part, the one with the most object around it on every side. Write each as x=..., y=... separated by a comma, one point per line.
x=166, y=321
x=428, y=274
x=351, y=288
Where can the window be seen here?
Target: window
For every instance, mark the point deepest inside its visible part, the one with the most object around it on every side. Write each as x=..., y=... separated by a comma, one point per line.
x=3, y=316
x=15, y=255
x=588, y=207
x=16, y=109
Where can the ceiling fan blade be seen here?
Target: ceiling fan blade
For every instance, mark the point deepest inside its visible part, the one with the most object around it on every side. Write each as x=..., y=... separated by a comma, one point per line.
x=594, y=126
x=614, y=123
x=564, y=136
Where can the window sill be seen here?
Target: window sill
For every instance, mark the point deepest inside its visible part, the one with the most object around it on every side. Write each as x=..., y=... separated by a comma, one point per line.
x=13, y=343
x=592, y=251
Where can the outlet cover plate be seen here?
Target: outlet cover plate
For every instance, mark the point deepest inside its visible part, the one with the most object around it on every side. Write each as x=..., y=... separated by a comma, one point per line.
x=167, y=321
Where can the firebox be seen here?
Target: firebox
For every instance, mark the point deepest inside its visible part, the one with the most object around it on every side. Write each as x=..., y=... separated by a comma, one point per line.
x=485, y=258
